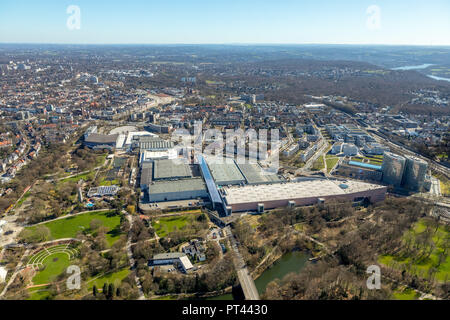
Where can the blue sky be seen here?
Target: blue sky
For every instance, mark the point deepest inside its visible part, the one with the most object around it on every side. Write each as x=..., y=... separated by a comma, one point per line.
x=414, y=22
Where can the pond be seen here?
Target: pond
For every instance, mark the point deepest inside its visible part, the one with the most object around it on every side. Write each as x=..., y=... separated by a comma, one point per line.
x=293, y=261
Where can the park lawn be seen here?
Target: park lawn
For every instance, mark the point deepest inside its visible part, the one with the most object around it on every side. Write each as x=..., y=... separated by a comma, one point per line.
x=85, y=176
x=406, y=294
x=55, y=264
x=105, y=182
x=70, y=226
x=318, y=165
x=331, y=162
x=164, y=226
x=422, y=266
x=40, y=293
x=115, y=278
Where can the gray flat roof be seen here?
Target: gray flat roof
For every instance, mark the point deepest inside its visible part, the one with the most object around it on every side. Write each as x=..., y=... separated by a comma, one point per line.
x=146, y=173
x=169, y=255
x=254, y=174
x=294, y=190
x=101, y=138
x=170, y=169
x=184, y=185
x=224, y=171
x=154, y=143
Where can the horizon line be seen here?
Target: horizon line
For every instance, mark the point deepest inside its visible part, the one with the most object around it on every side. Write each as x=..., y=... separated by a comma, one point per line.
x=226, y=44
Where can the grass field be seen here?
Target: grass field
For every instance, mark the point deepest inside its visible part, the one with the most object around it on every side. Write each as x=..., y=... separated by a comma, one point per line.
x=38, y=293
x=114, y=278
x=69, y=227
x=331, y=162
x=105, y=182
x=164, y=226
x=55, y=264
x=444, y=182
x=405, y=294
x=318, y=165
x=85, y=176
x=421, y=264
x=375, y=160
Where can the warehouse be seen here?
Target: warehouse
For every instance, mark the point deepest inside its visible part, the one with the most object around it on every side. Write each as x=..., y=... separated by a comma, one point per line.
x=265, y=197
x=225, y=172
x=254, y=174
x=101, y=141
x=161, y=191
x=170, y=170
x=152, y=144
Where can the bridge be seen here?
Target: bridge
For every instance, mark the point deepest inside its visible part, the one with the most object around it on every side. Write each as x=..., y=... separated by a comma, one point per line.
x=245, y=279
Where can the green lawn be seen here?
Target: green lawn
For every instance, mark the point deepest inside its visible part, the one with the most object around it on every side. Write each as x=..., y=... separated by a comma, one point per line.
x=114, y=278
x=38, y=293
x=109, y=183
x=406, y=294
x=69, y=227
x=55, y=264
x=422, y=265
x=331, y=162
x=318, y=165
x=85, y=176
x=164, y=226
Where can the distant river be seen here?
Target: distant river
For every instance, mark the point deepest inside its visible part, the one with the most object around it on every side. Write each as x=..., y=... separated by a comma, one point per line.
x=290, y=262
x=439, y=78
x=422, y=66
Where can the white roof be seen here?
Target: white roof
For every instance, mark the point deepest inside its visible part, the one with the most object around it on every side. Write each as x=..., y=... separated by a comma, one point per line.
x=2, y=222
x=294, y=190
x=133, y=134
x=155, y=155
x=187, y=265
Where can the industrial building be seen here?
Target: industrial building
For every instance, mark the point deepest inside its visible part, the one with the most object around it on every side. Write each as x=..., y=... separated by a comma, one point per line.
x=415, y=172
x=152, y=144
x=161, y=191
x=359, y=171
x=308, y=192
x=225, y=171
x=150, y=156
x=254, y=174
x=393, y=169
x=101, y=141
x=170, y=170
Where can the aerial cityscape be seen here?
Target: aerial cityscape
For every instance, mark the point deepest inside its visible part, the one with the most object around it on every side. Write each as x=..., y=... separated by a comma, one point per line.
x=222, y=171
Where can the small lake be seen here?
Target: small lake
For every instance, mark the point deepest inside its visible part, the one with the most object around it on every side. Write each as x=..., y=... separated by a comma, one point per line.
x=290, y=262
x=418, y=67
